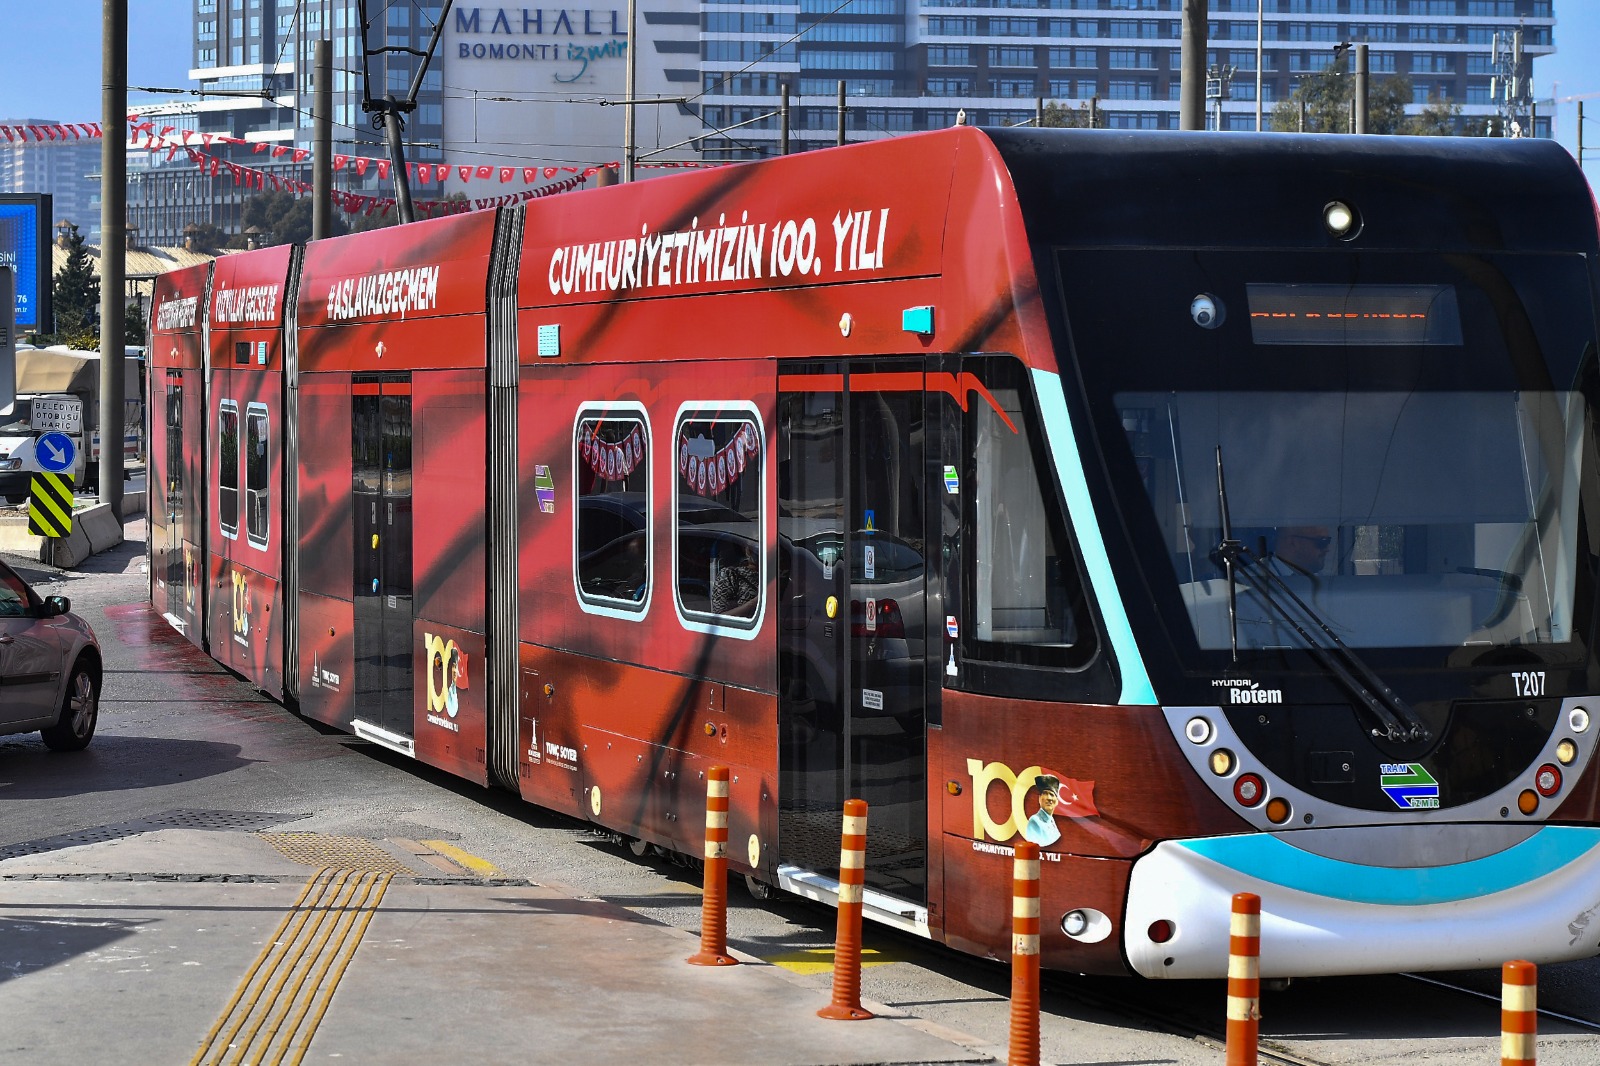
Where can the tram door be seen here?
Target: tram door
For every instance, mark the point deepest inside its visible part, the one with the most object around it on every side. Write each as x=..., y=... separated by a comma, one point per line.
x=853, y=661
x=173, y=569
x=381, y=503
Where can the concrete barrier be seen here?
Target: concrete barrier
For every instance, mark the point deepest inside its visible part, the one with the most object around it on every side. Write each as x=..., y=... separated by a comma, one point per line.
x=94, y=529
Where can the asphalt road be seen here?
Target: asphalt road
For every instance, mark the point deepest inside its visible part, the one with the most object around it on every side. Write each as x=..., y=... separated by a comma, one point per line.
x=206, y=741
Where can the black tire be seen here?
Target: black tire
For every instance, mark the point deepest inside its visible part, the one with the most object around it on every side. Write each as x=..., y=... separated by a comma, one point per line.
x=80, y=713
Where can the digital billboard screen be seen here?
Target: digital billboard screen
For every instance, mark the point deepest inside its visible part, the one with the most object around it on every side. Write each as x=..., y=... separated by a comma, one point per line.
x=25, y=247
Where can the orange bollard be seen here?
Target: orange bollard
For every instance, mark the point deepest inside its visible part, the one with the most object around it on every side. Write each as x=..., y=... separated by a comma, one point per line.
x=846, y=1005
x=1244, y=980
x=1519, y=1013
x=714, y=899
x=1024, y=1050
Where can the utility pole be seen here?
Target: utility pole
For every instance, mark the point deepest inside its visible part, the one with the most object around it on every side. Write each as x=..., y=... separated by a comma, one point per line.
x=840, y=141
x=113, y=230
x=629, y=149
x=1362, y=83
x=1580, y=134
x=322, y=139
x=1191, y=92
x=783, y=119
x=1260, y=56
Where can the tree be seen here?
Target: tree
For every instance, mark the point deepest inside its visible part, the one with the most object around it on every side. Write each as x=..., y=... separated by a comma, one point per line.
x=1440, y=117
x=207, y=236
x=133, y=322
x=76, y=296
x=281, y=217
x=1062, y=116
x=1325, y=98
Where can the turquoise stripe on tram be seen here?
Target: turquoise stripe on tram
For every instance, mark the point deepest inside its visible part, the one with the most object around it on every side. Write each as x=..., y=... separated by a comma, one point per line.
x=1271, y=861
x=1136, y=687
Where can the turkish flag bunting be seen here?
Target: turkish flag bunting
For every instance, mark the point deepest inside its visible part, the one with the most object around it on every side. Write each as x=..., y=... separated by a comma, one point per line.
x=424, y=173
x=506, y=173
x=7, y=131
x=299, y=154
x=528, y=174
x=279, y=150
x=206, y=139
x=261, y=146
x=465, y=172
x=36, y=134
x=383, y=169
x=339, y=161
x=550, y=172
x=361, y=165
x=485, y=171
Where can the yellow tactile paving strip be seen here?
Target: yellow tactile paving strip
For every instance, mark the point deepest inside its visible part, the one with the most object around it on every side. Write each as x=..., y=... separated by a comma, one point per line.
x=337, y=853
x=277, y=1007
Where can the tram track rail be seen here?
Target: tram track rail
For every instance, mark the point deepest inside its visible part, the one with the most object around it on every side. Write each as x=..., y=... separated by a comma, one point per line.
x=1565, y=1019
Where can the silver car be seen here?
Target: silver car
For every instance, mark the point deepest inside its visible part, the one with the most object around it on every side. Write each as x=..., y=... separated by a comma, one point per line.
x=49, y=667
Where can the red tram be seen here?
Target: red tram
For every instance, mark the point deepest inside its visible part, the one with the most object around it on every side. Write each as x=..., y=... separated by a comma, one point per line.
x=961, y=473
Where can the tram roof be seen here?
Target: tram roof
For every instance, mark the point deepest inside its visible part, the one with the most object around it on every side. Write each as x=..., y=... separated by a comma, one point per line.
x=1119, y=188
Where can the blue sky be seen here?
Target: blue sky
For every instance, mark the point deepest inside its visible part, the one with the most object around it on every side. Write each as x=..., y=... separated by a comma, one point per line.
x=62, y=80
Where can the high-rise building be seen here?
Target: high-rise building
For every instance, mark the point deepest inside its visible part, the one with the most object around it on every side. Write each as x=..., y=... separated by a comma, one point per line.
x=914, y=64
x=258, y=54
x=66, y=169
x=527, y=90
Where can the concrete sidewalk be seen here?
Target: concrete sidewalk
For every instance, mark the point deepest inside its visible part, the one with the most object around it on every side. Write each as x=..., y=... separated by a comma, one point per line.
x=258, y=947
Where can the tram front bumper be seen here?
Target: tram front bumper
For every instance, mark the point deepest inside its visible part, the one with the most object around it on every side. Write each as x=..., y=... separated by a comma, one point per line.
x=1535, y=898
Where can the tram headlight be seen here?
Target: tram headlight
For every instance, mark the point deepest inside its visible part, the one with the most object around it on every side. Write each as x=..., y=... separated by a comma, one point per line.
x=1341, y=220
x=1578, y=719
x=1198, y=730
x=1566, y=751
x=1222, y=762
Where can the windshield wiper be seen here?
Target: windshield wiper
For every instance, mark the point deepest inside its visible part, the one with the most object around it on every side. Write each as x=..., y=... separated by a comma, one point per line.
x=1228, y=551
x=1398, y=721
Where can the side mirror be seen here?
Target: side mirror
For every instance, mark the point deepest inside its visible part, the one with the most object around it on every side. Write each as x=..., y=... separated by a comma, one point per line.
x=57, y=605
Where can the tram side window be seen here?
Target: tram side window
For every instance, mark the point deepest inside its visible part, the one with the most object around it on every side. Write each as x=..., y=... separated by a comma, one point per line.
x=717, y=519
x=1026, y=599
x=612, y=476
x=174, y=441
x=228, y=468
x=257, y=514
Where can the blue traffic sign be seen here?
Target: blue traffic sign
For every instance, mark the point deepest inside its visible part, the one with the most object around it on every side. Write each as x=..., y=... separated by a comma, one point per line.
x=55, y=452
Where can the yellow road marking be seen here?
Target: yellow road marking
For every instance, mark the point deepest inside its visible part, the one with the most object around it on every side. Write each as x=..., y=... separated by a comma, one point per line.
x=820, y=960
x=465, y=859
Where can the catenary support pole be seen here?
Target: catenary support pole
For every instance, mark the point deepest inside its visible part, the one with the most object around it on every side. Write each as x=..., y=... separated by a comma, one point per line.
x=1192, y=87
x=113, y=238
x=322, y=140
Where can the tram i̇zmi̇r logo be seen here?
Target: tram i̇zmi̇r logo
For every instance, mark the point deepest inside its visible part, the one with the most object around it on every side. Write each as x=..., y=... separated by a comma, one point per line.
x=241, y=607
x=1410, y=785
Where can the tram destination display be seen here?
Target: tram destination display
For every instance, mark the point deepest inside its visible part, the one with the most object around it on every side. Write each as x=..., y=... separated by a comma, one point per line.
x=1354, y=314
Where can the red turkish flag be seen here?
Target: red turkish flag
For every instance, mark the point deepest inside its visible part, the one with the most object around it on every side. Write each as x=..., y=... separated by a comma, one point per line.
x=528, y=174
x=506, y=173
x=383, y=170
x=550, y=172
x=465, y=172
x=300, y=154
x=361, y=165
x=339, y=161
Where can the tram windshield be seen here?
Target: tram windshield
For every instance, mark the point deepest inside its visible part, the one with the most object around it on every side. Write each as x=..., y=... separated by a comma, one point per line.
x=1400, y=441
x=1442, y=518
